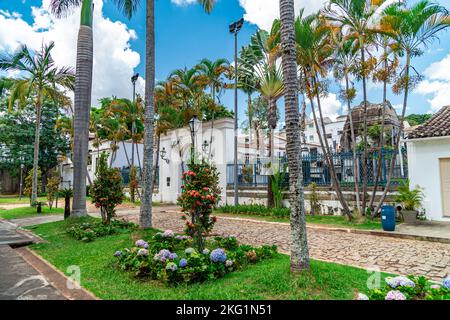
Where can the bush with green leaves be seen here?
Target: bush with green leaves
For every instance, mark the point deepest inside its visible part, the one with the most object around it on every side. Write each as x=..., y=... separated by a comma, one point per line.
x=411, y=199
x=52, y=190
x=106, y=191
x=134, y=183
x=409, y=288
x=183, y=264
x=255, y=209
x=29, y=183
x=314, y=199
x=89, y=231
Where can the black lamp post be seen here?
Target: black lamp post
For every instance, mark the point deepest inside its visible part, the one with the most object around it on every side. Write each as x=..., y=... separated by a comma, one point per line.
x=194, y=125
x=134, y=79
x=163, y=154
x=21, y=180
x=234, y=29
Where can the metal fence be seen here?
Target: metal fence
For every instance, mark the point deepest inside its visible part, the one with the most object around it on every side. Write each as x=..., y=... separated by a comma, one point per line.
x=315, y=169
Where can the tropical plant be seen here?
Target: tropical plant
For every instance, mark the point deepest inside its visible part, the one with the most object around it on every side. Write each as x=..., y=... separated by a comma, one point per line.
x=299, y=248
x=28, y=188
x=412, y=29
x=83, y=89
x=411, y=199
x=134, y=183
x=106, y=191
x=52, y=190
x=314, y=199
x=38, y=81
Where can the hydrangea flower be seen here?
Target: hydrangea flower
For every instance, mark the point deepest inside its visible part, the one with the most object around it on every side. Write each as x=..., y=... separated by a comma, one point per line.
x=189, y=250
x=162, y=255
x=183, y=263
x=173, y=256
x=143, y=252
x=229, y=263
x=395, y=295
x=435, y=286
x=446, y=283
x=206, y=251
x=362, y=296
x=218, y=255
x=140, y=243
x=400, y=282
x=117, y=253
x=168, y=234
x=171, y=266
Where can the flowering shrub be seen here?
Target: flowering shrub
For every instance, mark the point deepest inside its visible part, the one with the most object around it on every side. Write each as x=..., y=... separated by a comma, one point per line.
x=199, y=197
x=184, y=264
x=409, y=288
x=88, y=231
x=107, y=191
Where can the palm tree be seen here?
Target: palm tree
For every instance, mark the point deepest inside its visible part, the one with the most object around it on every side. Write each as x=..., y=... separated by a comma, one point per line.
x=314, y=55
x=412, y=29
x=299, y=247
x=213, y=71
x=38, y=82
x=145, y=217
x=358, y=18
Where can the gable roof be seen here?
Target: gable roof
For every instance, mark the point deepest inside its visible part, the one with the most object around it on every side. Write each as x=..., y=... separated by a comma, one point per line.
x=437, y=126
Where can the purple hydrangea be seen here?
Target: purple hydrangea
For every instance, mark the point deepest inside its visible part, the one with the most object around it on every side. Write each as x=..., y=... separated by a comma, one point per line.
x=143, y=252
x=400, y=282
x=183, y=263
x=362, y=296
x=218, y=255
x=189, y=250
x=446, y=283
x=171, y=266
x=395, y=295
x=141, y=243
x=173, y=256
x=117, y=253
x=206, y=251
x=162, y=255
x=168, y=234
x=229, y=263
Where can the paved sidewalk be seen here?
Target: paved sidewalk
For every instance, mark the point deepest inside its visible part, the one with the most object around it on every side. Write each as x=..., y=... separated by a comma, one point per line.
x=10, y=236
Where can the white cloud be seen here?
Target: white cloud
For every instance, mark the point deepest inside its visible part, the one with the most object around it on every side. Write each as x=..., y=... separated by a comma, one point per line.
x=114, y=60
x=263, y=12
x=437, y=84
x=183, y=2
x=331, y=107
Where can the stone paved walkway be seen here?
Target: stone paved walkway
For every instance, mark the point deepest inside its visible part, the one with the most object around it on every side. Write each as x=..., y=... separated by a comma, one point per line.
x=400, y=256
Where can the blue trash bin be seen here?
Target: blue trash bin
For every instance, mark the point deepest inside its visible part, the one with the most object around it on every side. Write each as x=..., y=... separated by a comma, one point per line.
x=388, y=218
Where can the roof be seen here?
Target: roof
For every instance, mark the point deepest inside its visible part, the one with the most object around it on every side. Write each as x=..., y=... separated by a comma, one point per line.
x=437, y=126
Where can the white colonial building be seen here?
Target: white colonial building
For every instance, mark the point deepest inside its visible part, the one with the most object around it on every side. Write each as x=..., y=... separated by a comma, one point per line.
x=429, y=163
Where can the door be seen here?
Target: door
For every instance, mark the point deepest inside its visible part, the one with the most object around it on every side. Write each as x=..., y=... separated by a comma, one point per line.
x=445, y=186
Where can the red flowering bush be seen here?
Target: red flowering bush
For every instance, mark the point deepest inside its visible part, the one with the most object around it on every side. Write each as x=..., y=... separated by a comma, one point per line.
x=200, y=195
x=107, y=191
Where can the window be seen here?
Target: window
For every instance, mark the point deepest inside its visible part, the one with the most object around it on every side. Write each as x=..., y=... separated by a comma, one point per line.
x=311, y=125
x=311, y=138
x=247, y=158
x=168, y=181
x=329, y=136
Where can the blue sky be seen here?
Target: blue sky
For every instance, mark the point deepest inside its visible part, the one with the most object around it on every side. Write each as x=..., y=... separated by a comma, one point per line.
x=185, y=35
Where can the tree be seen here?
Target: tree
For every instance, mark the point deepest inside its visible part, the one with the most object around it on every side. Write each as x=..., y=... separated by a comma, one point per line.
x=52, y=190
x=83, y=89
x=299, y=247
x=38, y=82
x=412, y=29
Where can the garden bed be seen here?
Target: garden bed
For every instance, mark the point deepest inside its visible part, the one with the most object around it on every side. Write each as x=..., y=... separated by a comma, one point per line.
x=268, y=279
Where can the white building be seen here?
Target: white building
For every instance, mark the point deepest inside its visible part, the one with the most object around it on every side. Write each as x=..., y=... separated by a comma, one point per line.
x=333, y=131
x=429, y=163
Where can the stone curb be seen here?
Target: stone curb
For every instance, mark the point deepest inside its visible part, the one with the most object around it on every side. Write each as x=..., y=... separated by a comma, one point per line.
x=54, y=276
x=347, y=230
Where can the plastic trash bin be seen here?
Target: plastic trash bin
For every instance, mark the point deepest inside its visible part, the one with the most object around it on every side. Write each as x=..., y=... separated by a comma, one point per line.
x=388, y=218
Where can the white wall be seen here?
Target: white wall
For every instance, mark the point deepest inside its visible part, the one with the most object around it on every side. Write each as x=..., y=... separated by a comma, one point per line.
x=423, y=170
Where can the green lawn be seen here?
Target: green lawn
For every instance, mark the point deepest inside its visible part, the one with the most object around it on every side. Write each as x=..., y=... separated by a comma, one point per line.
x=331, y=221
x=26, y=212
x=17, y=200
x=269, y=279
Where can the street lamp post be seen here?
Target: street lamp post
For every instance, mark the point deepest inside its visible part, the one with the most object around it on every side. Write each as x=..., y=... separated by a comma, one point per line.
x=194, y=125
x=20, y=182
x=134, y=78
x=234, y=29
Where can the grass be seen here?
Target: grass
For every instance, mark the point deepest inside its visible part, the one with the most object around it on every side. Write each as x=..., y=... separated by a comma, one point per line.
x=26, y=212
x=17, y=200
x=270, y=279
x=331, y=221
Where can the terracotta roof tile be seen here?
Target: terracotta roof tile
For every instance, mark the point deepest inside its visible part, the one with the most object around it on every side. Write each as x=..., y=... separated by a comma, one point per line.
x=437, y=126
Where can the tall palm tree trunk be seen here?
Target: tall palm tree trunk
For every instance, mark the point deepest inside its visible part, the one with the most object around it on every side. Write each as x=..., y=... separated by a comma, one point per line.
x=365, y=152
x=158, y=147
x=355, y=159
x=34, y=183
x=213, y=93
x=299, y=247
x=250, y=118
x=83, y=89
x=397, y=140
x=272, y=125
x=145, y=217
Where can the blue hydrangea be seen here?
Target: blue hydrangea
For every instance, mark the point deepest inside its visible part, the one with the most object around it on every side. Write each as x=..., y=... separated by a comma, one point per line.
x=218, y=255
x=173, y=256
x=141, y=243
x=118, y=253
x=400, y=282
x=183, y=263
x=162, y=255
x=446, y=283
x=189, y=250
x=171, y=266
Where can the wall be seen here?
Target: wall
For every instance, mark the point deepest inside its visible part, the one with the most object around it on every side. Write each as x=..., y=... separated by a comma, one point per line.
x=423, y=162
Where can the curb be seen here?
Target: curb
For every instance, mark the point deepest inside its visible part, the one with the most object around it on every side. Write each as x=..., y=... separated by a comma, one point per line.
x=54, y=276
